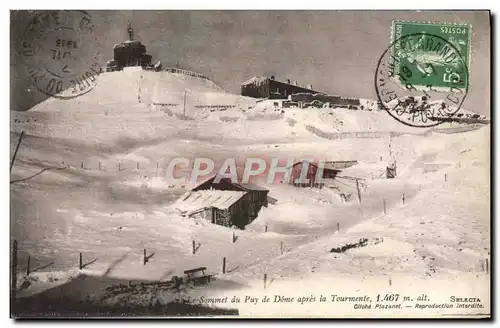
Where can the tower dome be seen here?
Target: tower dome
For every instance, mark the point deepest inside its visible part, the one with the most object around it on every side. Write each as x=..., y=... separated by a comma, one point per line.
x=129, y=53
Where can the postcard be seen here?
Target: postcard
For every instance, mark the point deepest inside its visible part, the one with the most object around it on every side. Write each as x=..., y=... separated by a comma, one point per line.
x=250, y=164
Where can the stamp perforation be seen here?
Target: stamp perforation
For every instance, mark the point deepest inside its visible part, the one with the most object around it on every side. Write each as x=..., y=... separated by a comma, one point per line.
x=469, y=26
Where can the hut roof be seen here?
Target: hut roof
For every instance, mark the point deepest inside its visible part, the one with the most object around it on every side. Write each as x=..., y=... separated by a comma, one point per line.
x=197, y=200
x=241, y=186
x=329, y=165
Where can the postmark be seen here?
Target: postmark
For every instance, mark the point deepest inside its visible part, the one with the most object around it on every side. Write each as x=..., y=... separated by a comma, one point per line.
x=421, y=79
x=61, y=53
x=435, y=60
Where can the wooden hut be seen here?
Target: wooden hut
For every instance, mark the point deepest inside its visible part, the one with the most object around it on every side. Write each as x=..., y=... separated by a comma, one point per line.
x=224, y=203
x=329, y=172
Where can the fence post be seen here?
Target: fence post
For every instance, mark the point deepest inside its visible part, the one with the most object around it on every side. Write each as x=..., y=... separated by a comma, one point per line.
x=14, y=271
x=99, y=166
x=119, y=168
x=145, y=260
x=82, y=166
x=445, y=177
x=224, y=265
x=194, y=246
x=385, y=211
x=403, y=198
x=184, y=110
x=137, y=165
x=281, y=247
x=234, y=237
x=338, y=227
x=487, y=266
x=15, y=151
x=266, y=228
x=265, y=280
x=359, y=192
x=28, y=269
x=80, y=261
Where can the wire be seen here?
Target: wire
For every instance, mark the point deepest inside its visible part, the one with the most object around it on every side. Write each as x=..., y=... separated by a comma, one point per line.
x=345, y=184
x=34, y=175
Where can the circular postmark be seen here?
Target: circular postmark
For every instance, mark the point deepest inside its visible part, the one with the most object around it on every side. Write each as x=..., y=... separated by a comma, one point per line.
x=421, y=80
x=61, y=55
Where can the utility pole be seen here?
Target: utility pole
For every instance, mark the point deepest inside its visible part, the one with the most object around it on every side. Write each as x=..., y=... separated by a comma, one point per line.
x=184, y=113
x=14, y=272
x=15, y=152
x=130, y=31
x=359, y=192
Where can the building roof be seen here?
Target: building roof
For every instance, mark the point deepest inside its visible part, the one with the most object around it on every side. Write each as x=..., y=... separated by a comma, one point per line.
x=255, y=79
x=329, y=165
x=332, y=166
x=241, y=186
x=260, y=79
x=194, y=201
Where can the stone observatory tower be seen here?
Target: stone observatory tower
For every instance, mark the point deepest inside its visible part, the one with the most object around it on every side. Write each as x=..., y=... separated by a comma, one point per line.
x=129, y=53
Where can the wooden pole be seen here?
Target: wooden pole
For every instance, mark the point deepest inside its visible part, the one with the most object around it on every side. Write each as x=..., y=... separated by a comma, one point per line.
x=82, y=166
x=224, y=265
x=81, y=261
x=265, y=280
x=445, y=177
x=359, y=192
x=99, y=166
x=145, y=259
x=234, y=237
x=338, y=227
x=137, y=165
x=14, y=271
x=119, y=168
x=194, y=247
x=184, y=111
x=266, y=228
x=403, y=198
x=15, y=151
x=486, y=266
x=28, y=269
x=385, y=211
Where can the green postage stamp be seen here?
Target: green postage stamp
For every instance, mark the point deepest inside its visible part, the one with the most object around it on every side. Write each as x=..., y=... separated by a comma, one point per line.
x=432, y=50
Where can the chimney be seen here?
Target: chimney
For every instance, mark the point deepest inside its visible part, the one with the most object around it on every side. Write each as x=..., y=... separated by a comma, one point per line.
x=288, y=81
x=309, y=86
x=272, y=77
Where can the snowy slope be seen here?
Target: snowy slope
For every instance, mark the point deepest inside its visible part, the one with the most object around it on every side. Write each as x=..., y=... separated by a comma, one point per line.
x=106, y=194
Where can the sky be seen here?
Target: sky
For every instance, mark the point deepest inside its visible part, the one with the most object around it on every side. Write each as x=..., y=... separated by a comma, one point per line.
x=334, y=51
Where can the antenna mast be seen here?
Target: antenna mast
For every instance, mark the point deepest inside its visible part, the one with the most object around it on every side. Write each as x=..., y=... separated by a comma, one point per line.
x=130, y=31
